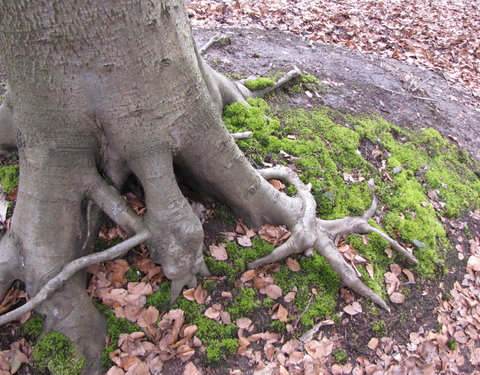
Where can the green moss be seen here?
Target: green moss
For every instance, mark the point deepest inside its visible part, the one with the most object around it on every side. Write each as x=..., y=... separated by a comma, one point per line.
x=116, y=326
x=217, y=351
x=161, y=298
x=317, y=274
x=210, y=285
x=33, y=327
x=56, y=352
x=259, y=83
x=277, y=326
x=268, y=303
x=222, y=212
x=452, y=344
x=238, y=259
x=219, y=339
x=340, y=355
x=309, y=78
x=9, y=178
x=378, y=327
x=134, y=274
x=102, y=244
x=244, y=303
x=326, y=153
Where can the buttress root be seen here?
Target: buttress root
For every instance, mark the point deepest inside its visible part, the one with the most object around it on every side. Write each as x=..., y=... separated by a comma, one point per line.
x=312, y=233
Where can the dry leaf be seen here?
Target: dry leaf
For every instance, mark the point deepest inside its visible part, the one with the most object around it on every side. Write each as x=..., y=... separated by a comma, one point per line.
x=226, y=294
x=185, y=352
x=248, y=275
x=148, y=317
x=230, y=236
x=373, y=343
x=397, y=297
x=276, y=184
x=214, y=312
x=115, y=371
x=282, y=314
x=396, y=269
x=273, y=291
x=411, y=278
x=189, y=294
x=200, y=294
x=275, y=234
x=353, y=309
x=244, y=323
x=473, y=263
x=244, y=241
x=219, y=252
x=370, y=270
x=191, y=369
x=289, y=297
x=293, y=265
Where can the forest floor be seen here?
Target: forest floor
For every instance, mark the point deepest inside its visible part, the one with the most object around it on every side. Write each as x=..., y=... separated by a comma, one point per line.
x=435, y=328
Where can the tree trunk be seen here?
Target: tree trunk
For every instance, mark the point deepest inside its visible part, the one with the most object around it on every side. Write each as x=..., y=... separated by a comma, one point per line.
x=108, y=88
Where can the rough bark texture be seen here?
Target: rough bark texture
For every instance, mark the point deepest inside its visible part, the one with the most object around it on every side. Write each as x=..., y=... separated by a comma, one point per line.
x=108, y=88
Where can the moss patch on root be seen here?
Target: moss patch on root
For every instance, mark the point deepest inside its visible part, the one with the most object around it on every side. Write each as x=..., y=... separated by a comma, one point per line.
x=56, y=352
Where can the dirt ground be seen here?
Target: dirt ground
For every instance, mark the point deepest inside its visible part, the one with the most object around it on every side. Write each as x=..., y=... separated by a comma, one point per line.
x=357, y=82
x=354, y=83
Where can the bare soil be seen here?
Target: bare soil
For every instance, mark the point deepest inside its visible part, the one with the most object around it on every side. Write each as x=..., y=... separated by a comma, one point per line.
x=357, y=82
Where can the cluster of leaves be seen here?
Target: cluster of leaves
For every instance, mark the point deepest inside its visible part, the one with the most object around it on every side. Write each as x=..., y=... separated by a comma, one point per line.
x=437, y=35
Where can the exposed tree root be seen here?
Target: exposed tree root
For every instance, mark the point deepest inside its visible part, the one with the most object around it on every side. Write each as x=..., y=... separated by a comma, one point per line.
x=213, y=40
x=295, y=72
x=71, y=269
x=311, y=232
x=243, y=135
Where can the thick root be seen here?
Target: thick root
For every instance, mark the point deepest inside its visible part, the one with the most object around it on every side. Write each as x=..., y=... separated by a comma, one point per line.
x=71, y=312
x=176, y=240
x=310, y=232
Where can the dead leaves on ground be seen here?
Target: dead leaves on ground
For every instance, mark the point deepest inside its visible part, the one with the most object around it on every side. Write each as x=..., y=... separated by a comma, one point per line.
x=12, y=359
x=436, y=35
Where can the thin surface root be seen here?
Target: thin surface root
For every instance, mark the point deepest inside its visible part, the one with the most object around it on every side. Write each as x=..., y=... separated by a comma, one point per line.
x=69, y=270
x=295, y=72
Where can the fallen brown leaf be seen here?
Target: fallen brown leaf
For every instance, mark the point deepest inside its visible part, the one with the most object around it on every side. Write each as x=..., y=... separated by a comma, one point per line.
x=276, y=184
x=200, y=294
x=273, y=291
x=293, y=265
x=219, y=252
x=397, y=297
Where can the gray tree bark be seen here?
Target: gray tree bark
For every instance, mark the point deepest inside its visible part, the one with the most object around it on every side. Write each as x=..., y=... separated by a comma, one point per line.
x=106, y=88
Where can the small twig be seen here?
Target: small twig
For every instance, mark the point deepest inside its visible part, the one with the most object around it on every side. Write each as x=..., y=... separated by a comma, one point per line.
x=211, y=42
x=304, y=311
x=70, y=269
x=407, y=94
x=295, y=72
x=243, y=135
x=421, y=83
